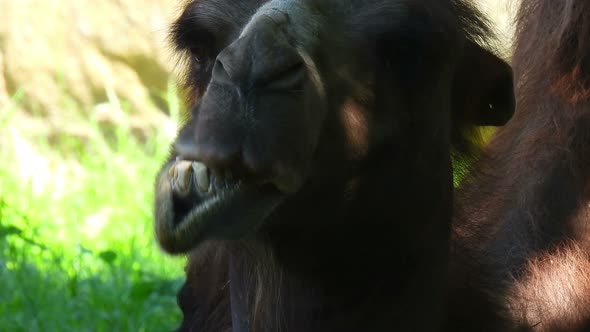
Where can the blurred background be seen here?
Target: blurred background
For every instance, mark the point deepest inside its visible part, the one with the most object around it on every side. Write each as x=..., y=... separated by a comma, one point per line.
x=88, y=107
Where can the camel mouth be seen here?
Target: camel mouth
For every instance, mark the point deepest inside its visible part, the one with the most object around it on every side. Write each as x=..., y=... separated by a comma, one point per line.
x=233, y=212
x=221, y=207
x=209, y=184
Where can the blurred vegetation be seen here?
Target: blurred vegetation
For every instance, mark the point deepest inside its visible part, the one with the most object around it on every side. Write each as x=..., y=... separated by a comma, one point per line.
x=77, y=164
x=76, y=232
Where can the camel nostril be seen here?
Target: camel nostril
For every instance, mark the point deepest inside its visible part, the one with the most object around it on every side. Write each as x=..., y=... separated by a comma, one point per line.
x=220, y=71
x=288, y=78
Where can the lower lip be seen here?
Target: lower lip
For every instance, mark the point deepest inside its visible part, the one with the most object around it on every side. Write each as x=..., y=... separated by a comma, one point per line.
x=232, y=213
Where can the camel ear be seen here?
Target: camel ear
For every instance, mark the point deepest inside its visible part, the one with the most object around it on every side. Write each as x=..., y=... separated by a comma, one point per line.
x=483, y=91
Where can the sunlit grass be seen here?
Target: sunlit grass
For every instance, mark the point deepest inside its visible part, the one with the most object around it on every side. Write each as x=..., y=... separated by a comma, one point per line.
x=77, y=250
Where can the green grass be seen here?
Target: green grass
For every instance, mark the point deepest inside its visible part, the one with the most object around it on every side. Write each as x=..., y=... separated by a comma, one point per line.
x=77, y=250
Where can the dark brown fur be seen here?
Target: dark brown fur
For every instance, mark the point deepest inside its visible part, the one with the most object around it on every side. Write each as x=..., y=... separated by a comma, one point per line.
x=522, y=225
x=361, y=242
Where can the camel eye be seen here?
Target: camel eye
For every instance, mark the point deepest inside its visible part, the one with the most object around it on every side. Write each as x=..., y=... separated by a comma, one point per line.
x=198, y=54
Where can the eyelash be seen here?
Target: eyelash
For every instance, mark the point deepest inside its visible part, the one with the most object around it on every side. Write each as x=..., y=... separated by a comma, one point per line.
x=197, y=54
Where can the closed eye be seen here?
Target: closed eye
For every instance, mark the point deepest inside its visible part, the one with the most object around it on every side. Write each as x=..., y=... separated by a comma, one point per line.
x=198, y=54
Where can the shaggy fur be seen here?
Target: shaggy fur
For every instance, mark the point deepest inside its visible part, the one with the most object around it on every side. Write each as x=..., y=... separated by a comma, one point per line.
x=522, y=225
x=359, y=150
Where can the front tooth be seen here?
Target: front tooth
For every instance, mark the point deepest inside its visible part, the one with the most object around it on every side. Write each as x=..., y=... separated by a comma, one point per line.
x=201, y=176
x=181, y=176
x=172, y=174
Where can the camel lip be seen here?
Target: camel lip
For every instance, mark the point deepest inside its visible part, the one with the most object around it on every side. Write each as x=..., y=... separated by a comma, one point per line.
x=213, y=206
x=228, y=214
x=209, y=183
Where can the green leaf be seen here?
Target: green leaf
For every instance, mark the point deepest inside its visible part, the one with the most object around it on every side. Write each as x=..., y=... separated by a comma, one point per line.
x=9, y=230
x=108, y=256
x=142, y=289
